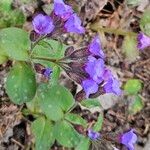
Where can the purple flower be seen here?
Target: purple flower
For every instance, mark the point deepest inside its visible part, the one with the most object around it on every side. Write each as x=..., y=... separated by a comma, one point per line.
x=143, y=41
x=47, y=72
x=129, y=139
x=73, y=24
x=93, y=135
x=62, y=10
x=95, y=68
x=90, y=87
x=96, y=48
x=107, y=74
x=112, y=86
x=42, y=24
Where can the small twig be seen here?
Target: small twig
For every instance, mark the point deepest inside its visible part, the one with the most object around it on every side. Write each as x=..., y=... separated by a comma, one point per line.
x=18, y=143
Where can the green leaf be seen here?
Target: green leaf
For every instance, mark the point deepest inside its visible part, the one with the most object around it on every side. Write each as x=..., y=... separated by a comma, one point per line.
x=76, y=119
x=15, y=42
x=49, y=49
x=130, y=48
x=84, y=144
x=136, y=106
x=90, y=103
x=5, y=5
x=98, y=125
x=34, y=105
x=145, y=22
x=133, y=86
x=3, y=59
x=43, y=132
x=66, y=135
x=54, y=100
x=55, y=75
x=21, y=83
x=133, y=2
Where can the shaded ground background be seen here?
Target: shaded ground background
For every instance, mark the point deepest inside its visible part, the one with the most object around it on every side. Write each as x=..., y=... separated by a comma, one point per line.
x=15, y=129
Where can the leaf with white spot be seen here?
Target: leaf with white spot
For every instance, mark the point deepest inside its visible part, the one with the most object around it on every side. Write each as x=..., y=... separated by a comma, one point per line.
x=21, y=83
x=16, y=43
x=83, y=144
x=66, y=135
x=43, y=132
x=54, y=100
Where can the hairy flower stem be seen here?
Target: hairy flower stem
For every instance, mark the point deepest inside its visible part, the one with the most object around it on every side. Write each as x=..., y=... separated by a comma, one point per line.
x=112, y=30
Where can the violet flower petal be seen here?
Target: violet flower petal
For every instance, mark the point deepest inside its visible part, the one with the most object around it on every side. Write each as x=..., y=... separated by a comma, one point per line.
x=112, y=86
x=129, y=139
x=47, y=72
x=143, y=41
x=95, y=47
x=93, y=135
x=42, y=24
x=62, y=10
x=73, y=24
x=95, y=68
x=90, y=87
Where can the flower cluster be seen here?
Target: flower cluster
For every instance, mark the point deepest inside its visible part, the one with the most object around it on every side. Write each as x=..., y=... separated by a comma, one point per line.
x=62, y=18
x=97, y=72
x=87, y=67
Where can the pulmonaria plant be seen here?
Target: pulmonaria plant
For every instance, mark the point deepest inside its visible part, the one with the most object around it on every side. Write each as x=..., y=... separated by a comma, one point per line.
x=50, y=103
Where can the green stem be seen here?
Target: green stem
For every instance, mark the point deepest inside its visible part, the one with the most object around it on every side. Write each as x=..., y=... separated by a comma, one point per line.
x=46, y=59
x=112, y=30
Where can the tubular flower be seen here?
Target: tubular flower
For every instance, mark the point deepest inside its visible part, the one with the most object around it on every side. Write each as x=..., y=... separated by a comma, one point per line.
x=62, y=10
x=90, y=87
x=95, y=47
x=42, y=24
x=95, y=68
x=93, y=135
x=129, y=139
x=143, y=41
x=47, y=72
x=73, y=24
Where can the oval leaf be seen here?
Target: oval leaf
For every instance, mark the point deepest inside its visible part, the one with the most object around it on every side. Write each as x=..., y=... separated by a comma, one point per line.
x=90, y=103
x=84, y=144
x=21, y=83
x=15, y=42
x=136, y=106
x=133, y=86
x=98, y=125
x=76, y=119
x=43, y=132
x=66, y=135
x=54, y=100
